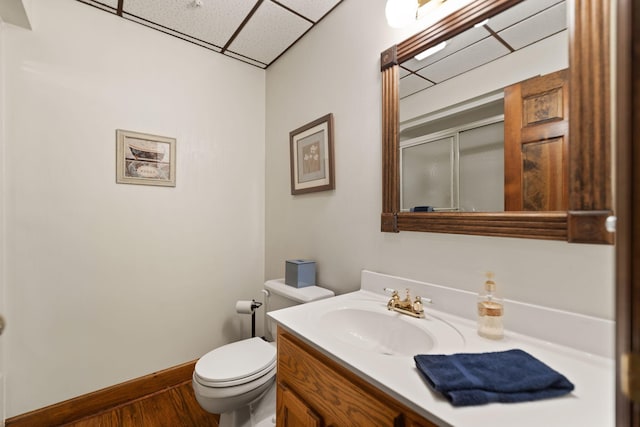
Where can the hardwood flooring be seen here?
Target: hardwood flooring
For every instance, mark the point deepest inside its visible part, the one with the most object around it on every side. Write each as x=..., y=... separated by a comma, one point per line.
x=172, y=407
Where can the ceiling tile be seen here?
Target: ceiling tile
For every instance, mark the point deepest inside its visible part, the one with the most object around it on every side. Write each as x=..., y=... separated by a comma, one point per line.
x=466, y=38
x=464, y=60
x=253, y=31
x=538, y=27
x=110, y=4
x=410, y=64
x=311, y=9
x=412, y=84
x=214, y=21
x=172, y=33
x=269, y=32
x=522, y=25
x=519, y=12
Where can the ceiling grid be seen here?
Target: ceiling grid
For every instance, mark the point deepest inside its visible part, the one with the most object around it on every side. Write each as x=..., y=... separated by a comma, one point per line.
x=256, y=32
x=518, y=27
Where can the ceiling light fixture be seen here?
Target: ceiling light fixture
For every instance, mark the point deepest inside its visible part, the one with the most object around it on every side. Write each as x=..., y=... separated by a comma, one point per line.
x=426, y=7
x=400, y=13
x=431, y=51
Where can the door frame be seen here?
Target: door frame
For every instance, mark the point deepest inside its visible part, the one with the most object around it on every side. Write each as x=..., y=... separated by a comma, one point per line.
x=3, y=210
x=627, y=195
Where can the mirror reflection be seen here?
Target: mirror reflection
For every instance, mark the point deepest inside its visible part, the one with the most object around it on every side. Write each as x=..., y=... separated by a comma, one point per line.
x=466, y=146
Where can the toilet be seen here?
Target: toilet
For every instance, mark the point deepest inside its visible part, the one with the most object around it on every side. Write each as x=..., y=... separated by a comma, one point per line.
x=237, y=380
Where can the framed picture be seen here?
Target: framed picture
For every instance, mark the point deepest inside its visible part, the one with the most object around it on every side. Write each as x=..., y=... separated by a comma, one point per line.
x=145, y=159
x=312, y=156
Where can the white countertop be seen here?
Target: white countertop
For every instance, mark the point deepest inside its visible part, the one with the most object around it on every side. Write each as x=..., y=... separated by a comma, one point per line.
x=590, y=404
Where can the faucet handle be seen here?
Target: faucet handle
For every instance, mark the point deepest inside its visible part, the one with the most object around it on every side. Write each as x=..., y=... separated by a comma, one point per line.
x=424, y=300
x=390, y=290
x=395, y=299
x=417, y=306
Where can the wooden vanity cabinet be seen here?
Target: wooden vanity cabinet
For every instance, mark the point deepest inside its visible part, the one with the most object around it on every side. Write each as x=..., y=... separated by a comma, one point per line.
x=316, y=391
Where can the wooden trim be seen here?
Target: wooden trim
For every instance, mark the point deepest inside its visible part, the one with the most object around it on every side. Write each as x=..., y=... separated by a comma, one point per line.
x=547, y=226
x=105, y=399
x=627, y=198
x=389, y=223
x=589, y=166
x=590, y=100
x=452, y=25
x=390, y=129
x=588, y=227
x=389, y=58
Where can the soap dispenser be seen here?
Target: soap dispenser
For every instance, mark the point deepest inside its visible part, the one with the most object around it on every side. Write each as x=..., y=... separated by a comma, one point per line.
x=490, y=311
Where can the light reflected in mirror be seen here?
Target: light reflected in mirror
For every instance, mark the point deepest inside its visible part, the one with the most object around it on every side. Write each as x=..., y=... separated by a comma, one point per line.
x=452, y=108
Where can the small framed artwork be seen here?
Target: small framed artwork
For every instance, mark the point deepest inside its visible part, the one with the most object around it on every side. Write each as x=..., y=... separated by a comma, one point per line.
x=311, y=147
x=145, y=159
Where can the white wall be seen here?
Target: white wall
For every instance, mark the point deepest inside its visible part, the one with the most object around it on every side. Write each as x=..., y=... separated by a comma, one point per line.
x=335, y=68
x=106, y=282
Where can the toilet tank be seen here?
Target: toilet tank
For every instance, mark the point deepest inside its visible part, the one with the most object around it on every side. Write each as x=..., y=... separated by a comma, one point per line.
x=279, y=295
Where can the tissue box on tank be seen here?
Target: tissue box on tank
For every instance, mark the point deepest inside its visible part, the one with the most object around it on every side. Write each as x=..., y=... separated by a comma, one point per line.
x=300, y=273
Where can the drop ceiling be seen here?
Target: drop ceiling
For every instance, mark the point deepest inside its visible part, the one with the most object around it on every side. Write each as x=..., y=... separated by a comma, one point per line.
x=520, y=26
x=257, y=32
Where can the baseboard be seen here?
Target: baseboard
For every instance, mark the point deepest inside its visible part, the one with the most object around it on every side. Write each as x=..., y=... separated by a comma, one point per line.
x=105, y=399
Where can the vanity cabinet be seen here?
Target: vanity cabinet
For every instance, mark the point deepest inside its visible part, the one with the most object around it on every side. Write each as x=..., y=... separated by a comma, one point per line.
x=314, y=391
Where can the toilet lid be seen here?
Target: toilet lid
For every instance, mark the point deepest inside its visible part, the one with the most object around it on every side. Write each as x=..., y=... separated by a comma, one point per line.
x=236, y=363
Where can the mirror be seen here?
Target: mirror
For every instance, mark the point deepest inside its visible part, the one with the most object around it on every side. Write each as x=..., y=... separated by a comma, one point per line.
x=452, y=102
x=586, y=162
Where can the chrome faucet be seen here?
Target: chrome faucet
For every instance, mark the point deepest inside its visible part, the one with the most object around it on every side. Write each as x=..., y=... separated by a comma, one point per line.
x=406, y=306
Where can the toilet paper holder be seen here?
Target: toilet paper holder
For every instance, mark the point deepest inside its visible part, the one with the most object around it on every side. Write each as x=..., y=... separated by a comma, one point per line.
x=249, y=307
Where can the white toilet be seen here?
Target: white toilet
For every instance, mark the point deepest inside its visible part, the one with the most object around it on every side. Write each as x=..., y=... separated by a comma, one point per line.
x=237, y=380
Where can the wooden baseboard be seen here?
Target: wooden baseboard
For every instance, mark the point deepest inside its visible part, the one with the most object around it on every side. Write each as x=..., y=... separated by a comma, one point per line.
x=105, y=399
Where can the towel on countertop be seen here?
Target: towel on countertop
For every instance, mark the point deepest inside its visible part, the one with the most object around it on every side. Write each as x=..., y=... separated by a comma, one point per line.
x=506, y=376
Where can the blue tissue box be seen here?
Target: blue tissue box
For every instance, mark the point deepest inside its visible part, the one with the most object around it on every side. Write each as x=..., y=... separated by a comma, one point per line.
x=300, y=273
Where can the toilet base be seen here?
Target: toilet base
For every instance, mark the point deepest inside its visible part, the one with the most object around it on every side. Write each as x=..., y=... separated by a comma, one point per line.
x=261, y=413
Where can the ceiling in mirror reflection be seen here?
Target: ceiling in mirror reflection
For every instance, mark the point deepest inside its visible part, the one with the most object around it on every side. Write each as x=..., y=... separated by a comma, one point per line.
x=514, y=29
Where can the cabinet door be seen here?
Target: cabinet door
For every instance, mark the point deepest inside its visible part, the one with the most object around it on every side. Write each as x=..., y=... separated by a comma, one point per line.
x=338, y=396
x=536, y=131
x=293, y=411
x=415, y=421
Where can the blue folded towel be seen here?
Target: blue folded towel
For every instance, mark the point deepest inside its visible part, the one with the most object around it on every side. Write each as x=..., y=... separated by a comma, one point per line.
x=505, y=376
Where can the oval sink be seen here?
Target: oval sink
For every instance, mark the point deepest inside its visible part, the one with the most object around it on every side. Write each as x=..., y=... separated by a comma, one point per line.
x=390, y=334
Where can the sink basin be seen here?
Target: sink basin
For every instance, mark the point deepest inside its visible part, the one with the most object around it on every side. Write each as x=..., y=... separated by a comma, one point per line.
x=391, y=333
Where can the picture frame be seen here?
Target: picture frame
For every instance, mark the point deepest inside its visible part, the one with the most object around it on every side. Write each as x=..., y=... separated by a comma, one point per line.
x=312, y=162
x=145, y=159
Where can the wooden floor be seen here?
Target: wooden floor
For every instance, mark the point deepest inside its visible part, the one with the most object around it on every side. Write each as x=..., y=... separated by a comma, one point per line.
x=173, y=407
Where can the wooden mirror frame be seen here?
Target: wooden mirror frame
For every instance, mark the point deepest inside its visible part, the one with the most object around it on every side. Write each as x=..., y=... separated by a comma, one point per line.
x=589, y=166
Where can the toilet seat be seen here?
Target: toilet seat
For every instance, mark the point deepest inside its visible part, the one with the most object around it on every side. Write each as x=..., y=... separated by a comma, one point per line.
x=237, y=363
